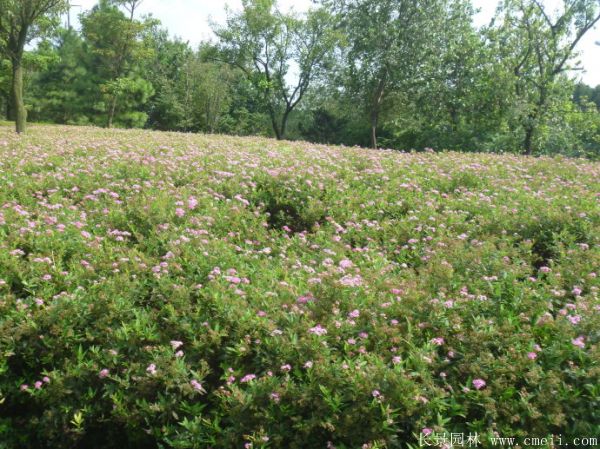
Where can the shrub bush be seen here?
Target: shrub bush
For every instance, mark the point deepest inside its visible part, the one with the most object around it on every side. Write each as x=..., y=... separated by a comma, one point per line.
x=178, y=291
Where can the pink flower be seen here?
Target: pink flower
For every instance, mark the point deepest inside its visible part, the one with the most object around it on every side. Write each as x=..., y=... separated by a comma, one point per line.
x=346, y=263
x=545, y=269
x=354, y=314
x=579, y=341
x=151, y=369
x=197, y=386
x=531, y=355
x=318, y=330
x=233, y=279
x=305, y=299
x=426, y=431
x=192, y=203
x=376, y=393
x=351, y=281
x=38, y=385
x=286, y=368
x=175, y=344
x=248, y=378
x=396, y=360
x=437, y=341
x=179, y=212
x=46, y=379
x=576, y=291
x=308, y=364
x=103, y=373
x=479, y=384
x=24, y=387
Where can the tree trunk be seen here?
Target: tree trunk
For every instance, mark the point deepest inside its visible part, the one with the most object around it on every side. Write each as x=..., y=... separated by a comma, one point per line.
x=376, y=106
x=283, y=127
x=111, y=111
x=374, y=121
x=17, y=95
x=528, y=142
x=533, y=122
x=278, y=135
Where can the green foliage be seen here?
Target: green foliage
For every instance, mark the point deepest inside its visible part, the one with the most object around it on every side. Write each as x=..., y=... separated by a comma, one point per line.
x=20, y=22
x=537, y=49
x=117, y=49
x=187, y=291
x=263, y=42
x=396, y=74
x=65, y=91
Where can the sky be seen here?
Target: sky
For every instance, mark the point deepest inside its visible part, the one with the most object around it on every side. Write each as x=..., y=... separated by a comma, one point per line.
x=189, y=20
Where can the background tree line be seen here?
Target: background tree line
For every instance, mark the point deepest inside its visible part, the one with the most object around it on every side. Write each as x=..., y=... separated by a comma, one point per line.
x=404, y=74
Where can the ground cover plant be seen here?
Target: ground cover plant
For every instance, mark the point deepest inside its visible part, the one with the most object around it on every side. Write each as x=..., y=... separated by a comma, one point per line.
x=188, y=291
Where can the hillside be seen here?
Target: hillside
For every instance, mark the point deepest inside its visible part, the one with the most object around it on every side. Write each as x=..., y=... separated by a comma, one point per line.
x=191, y=291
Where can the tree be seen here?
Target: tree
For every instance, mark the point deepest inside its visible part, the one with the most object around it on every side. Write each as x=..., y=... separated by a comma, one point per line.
x=168, y=109
x=116, y=44
x=5, y=86
x=64, y=91
x=388, y=45
x=20, y=22
x=130, y=6
x=584, y=93
x=269, y=46
x=456, y=99
x=538, y=48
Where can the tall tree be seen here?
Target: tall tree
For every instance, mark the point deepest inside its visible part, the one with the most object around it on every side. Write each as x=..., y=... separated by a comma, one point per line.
x=450, y=102
x=388, y=45
x=280, y=54
x=538, y=48
x=20, y=22
x=130, y=6
x=168, y=109
x=64, y=91
x=116, y=43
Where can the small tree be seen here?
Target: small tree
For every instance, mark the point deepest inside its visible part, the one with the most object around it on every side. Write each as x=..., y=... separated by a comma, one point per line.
x=538, y=48
x=20, y=22
x=268, y=46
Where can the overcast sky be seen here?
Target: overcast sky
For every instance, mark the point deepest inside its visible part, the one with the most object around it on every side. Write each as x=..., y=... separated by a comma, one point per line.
x=189, y=20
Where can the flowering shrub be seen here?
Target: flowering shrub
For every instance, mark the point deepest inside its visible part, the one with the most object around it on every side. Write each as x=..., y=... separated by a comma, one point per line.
x=173, y=290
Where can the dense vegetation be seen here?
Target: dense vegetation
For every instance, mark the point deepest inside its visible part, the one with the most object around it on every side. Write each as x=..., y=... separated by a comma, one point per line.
x=188, y=291
x=403, y=74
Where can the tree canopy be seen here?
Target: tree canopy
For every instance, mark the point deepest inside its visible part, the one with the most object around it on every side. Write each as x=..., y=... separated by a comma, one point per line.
x=388, y=73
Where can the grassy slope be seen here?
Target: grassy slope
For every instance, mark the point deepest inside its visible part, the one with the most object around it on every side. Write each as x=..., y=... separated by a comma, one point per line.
x=399, y=278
